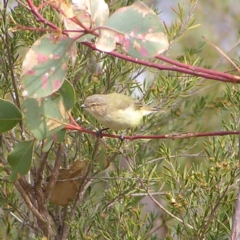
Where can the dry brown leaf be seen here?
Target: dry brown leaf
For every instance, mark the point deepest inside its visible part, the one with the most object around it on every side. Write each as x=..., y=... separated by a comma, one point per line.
x=66, y=187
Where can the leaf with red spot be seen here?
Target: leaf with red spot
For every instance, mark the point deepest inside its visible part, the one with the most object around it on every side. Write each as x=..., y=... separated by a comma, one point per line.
x=81, y=15
x=45, y=65
x=137, y=28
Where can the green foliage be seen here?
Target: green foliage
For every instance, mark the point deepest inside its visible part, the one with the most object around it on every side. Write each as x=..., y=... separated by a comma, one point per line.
x=44, y=117
x=184, y=188
x=9, y=115
x=142, y=37
x=44, y=66
x=20, y=159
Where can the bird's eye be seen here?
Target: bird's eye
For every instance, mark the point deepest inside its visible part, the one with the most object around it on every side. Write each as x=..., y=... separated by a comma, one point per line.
x=93, y=104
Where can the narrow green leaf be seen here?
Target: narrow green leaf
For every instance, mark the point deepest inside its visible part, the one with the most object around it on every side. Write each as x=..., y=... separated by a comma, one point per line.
x=20, y=159
x=9, y=115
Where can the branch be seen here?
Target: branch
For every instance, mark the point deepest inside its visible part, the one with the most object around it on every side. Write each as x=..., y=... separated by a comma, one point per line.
x=55, y=172
x=175, y=136
x=39, y=172
x=9, y=53
x=177, y=67
x=38, y=181
x=198, y=69
x=34, y=10
x=161, y=206
x=28, y=202
x=172, y=136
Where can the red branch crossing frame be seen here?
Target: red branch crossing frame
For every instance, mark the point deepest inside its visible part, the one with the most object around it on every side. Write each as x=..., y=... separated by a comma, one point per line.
x=174, y=66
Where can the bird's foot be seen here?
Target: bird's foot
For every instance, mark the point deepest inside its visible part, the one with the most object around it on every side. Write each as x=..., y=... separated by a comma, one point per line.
x=99, y=132
x=121, y=137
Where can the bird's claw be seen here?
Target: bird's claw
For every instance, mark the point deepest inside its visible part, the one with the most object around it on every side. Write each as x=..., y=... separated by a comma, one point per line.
x=121, y=137
x=99, y=132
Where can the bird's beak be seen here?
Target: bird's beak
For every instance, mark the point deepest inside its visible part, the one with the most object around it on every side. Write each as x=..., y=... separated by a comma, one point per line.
x=83, y=106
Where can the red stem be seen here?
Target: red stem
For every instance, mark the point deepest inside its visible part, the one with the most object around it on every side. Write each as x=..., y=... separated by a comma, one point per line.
x=34, y=10
x=176, y=66
x=173, y=136
x=195, y=71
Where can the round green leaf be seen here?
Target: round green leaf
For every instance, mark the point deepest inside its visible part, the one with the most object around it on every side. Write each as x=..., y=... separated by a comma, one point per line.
x=20, y=159
x=141, y=34
x=45, y=65
x=45, y=116
x=9, y=115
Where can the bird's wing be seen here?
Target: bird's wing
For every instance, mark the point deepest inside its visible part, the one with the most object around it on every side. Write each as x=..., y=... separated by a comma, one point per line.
x=125, y=101
x=117, y=100
x=137, y=104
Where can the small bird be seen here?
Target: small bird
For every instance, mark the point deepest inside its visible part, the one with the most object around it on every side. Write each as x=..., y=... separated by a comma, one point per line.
x=116, y=111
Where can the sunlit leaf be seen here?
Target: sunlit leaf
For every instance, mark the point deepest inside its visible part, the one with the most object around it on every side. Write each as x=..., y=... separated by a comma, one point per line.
x=45, y=65
x=99, y=12
x=80, y=15
x=137, y=28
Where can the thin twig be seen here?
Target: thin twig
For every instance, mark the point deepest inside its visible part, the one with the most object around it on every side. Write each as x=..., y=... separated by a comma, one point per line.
x=222, y=53
x=15, y=96
x=163, y=208
x=28, y=202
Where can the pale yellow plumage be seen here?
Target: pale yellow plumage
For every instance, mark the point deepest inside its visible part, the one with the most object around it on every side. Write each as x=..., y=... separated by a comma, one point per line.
x=116, y=111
